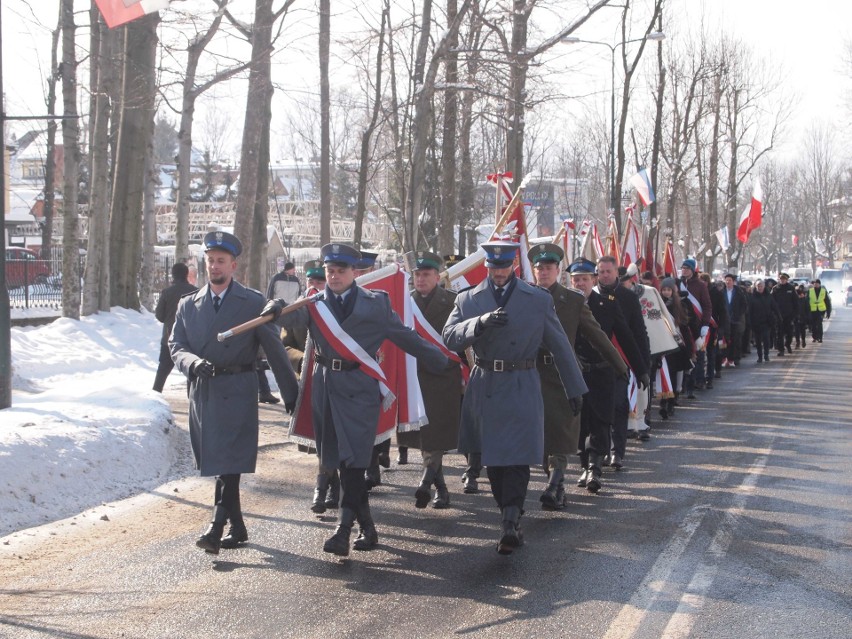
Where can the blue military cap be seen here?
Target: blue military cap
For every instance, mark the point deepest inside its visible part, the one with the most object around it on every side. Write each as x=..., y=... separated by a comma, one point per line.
x=500, y=253
x=223, y=241
x=582, y=265
x=425, y=259
x=314, y=269
x=368, y=260
x=340, y=254
x=546, y=252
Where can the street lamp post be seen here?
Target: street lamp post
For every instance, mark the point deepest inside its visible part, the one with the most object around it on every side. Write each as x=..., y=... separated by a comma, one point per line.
x=614, y=199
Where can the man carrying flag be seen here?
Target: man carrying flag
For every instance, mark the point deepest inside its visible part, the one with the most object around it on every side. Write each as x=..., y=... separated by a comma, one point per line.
x=699, y=297
x=506, y=321
x=347, y=324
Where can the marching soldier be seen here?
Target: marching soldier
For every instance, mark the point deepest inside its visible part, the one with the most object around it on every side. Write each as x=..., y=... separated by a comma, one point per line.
x=347, y=326
x=441, y=392
x=561, y=428
x=223, y=423
x=598, y=373
x=506, y=321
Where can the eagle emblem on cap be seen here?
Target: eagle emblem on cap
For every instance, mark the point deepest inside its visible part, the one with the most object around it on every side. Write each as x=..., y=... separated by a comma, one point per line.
x=335, y=248
x=498, y=250
x=219, y=237
x=420, y=255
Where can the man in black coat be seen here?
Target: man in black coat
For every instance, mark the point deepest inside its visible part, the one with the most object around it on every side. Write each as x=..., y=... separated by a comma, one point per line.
x=628, y=301
x=599, y=376
x=165, y=312
x=736, y=305
x=787, y=301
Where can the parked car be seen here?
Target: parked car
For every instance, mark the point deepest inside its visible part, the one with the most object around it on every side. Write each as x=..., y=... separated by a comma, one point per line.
x=24, y=267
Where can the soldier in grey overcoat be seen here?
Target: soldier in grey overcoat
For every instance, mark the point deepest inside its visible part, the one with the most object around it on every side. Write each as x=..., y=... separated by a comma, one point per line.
x=561, y=427
x=223, y=418
x=442, y=392
x=345, y=401
x=506, y=321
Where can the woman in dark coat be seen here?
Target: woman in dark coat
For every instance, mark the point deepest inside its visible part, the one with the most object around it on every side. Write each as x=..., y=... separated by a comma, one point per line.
x=764, y=315
x=689, y=325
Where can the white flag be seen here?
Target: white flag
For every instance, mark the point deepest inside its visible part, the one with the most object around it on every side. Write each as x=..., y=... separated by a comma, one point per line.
x=722, y=236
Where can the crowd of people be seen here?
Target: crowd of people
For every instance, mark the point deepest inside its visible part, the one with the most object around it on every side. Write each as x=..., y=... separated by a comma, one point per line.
x=555, y=375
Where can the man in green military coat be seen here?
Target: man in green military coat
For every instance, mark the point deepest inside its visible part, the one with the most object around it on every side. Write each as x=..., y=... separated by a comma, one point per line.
x=441, y=391
x=561, y=426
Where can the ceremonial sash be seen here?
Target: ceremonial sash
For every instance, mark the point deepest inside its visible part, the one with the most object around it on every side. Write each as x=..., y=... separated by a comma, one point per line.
x=427, y=332
x=343, y=343
x=664, y=380
x=632, y=392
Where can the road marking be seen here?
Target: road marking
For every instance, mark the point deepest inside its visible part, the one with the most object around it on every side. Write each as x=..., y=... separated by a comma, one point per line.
x=631, y=615
x=692, y=601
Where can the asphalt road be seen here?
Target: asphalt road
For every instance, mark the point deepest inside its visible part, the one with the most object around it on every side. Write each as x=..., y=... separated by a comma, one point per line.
x=735, y=520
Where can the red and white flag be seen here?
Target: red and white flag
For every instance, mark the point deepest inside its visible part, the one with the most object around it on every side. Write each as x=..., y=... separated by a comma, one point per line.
x=632, y=247
x=611, y=243
x=396, y=370
x=669, y=266
x=752, y=216
x=642, y=183
x=664, y=385
x=591, y=249
x=795, y=240
x=118, y=12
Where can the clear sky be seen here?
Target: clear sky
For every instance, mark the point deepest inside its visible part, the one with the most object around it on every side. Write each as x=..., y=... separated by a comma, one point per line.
x=806, y=39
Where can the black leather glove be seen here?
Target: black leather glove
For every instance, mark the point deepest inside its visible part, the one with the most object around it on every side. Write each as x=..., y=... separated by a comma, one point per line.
x=201, y=368
x=576, y=404
x=290, y=407
x=274, y=308
x=644, y=381
x=494, y=318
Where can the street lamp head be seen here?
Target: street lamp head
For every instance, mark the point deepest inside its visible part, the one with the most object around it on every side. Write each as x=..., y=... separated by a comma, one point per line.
x=570, y=39
x=656, y=35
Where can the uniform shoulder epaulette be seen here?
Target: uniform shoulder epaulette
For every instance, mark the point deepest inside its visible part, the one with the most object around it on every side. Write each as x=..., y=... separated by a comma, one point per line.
x=467, y=288
x=188, y=294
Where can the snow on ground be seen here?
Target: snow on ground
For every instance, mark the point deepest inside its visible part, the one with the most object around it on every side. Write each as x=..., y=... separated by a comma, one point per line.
x=84, y=427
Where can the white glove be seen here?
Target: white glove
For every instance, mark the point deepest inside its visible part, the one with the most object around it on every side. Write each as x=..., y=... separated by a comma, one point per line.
x=704, y=331
x=699, y=343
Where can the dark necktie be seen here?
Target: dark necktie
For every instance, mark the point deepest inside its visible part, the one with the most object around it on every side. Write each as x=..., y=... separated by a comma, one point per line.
x=217, y=302
x=499, y=293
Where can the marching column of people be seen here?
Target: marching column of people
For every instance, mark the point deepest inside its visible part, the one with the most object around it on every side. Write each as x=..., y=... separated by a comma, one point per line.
x=549, y=376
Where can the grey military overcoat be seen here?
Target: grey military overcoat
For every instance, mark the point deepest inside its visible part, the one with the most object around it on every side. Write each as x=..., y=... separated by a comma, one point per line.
x=345, y=404
x=441, y=391
x=223, y=425
x=503, y=412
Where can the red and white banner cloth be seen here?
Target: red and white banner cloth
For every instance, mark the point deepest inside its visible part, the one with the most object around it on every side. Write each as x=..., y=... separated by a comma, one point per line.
x=752, y=216
x=427, y=332
x=665, y=389
x=406, y=412
x=119, y=12
x=631, y=251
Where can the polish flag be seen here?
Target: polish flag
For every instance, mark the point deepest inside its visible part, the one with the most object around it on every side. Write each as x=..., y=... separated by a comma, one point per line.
x=752, y=215
x=669, y=266
x=642, y=183
x=118, y=12
x=630, y=251
x=611, y=243
x=795, y=240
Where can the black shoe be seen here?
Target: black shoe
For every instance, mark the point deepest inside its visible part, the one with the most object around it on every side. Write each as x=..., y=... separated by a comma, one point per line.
x=338, y=543
x=470, y=483
x=709, y=385
x=664, y=414
x=211, y=540
x=442, y=495
x=320, y=491
x=690, y=395
x=332, y=500
x=402, y=457
x=781, y=353
x=512, y=537
x=423, y=494
x=550, y=499
x=583, y=479
x=760, y=360
x=237, y=534
x=593, y=483
x=384, y=460
x=631, y=434
x=267, y=398
x=373, y=477
x=368, y=538
x=790, y=350
x=645, y=435
x=616, y=461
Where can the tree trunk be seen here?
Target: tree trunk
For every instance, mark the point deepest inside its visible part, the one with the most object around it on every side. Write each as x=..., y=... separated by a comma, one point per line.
x=136, y=129
x=50, y=154
x=149, y=231
x=184, y=156
x=658, y=135
x=325, y=118
x=449, y=143
x=251, y=202
x=71, y=167
x=732, y=175
x=96, y=293
x=517, y=90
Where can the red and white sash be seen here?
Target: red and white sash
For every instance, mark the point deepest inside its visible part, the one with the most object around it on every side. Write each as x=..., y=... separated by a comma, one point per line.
x=346, y=346
x=664, y=381
x=427, y=332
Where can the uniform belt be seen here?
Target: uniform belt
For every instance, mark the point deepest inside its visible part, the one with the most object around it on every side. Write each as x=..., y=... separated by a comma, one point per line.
x=504, y=365
x=233, y=370
x=336, y=364
x=547, y=360
x=587, y=367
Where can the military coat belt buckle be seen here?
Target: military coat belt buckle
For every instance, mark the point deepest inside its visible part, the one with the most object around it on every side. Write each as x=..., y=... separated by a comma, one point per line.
x=337, y=364
x=498, y=366
x=548, y=360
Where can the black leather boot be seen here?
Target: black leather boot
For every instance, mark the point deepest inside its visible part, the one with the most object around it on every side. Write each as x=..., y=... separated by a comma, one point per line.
x=593, y=478
x=368, y=538
x=471, y=475
x=320, y=491
x=512, y=537
x=549, y=499
x=211, y=540
x=373, y=476
x=332, y=500
x=338, y=543
x=237, y=534
x=402, y=457
x=424, y=491
x=442, y=495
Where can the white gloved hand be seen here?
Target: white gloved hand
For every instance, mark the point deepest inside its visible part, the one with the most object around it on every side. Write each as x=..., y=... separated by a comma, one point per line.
x=699, y=343
x=704, y=331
